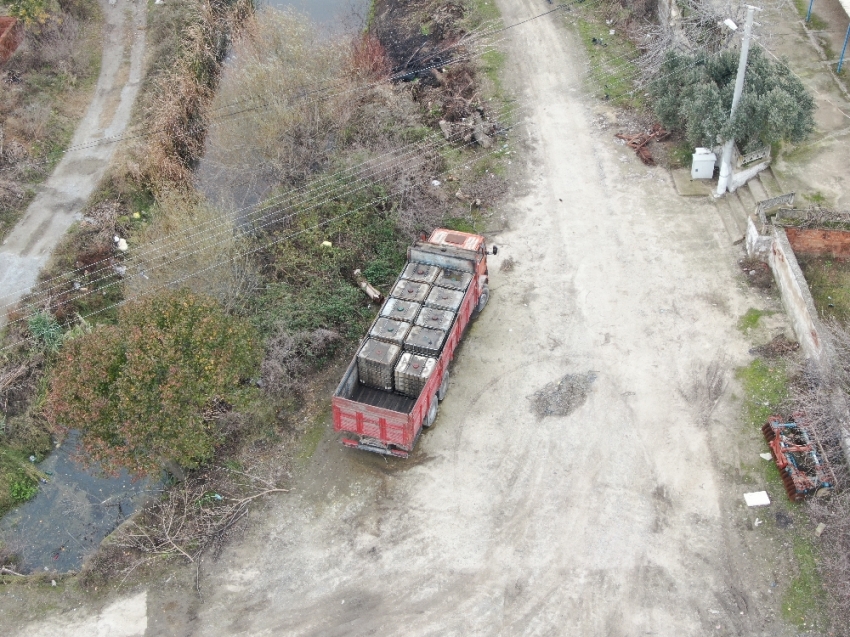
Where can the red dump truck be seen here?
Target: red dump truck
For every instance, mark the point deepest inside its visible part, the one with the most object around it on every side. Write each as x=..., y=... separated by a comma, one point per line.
x=393, y=387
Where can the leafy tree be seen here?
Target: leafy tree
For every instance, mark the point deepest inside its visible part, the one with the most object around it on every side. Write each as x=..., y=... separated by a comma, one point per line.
x=137, y=390
x=693, y=94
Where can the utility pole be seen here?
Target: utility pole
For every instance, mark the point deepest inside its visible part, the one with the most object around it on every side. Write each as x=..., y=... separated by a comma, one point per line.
x=726, y=157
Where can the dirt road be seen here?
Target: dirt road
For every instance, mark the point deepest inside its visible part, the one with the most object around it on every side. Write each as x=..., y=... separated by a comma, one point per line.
x=63, y=196
x=615, y=520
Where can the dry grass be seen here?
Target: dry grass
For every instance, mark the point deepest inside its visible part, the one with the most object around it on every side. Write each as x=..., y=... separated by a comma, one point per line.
x=821, y=394
x=180, y=95
x=44, y=90
x=301, y=105
x=189, y=243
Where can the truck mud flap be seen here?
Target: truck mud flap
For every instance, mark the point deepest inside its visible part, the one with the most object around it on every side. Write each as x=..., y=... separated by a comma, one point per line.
x=384, y=451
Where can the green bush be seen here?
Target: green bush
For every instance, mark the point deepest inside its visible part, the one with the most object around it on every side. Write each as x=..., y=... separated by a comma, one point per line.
x=137, y=391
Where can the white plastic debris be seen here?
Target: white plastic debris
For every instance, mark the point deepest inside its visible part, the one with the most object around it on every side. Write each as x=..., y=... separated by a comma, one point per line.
x=765, y=456
x=611, y=32
x=435, y=183
x=327, y=244
x=757, y=499
x=53, y=582
x=120, y=243
x=757, y=522
x=821, y=528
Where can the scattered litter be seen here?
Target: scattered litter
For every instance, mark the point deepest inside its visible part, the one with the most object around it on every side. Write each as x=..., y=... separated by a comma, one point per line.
x=611, y=32
x=757, y=499
x=120, y=243
x=765, y=456
x=820, y=529
x=32, y=458
x=757, y=522
x=435, y=183
x=53, y=582
x=327, y=244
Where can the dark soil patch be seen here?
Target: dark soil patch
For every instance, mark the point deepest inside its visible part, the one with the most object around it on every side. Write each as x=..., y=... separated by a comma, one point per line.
x=757, y=272
x=776, y=348
x=564, y=397
x=414, y=33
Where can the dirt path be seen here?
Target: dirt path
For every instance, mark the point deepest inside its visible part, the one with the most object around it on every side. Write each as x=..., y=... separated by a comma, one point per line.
x=616, y=520
x=63, y=196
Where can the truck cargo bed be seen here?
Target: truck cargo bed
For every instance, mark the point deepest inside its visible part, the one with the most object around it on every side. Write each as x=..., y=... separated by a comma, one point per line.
x=383, y=399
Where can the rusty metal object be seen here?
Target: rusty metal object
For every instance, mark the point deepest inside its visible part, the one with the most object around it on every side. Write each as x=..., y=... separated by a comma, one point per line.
x=799, y=458
x=639, y=142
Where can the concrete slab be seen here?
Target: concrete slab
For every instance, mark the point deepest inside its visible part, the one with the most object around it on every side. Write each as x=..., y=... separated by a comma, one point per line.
x=688, y=187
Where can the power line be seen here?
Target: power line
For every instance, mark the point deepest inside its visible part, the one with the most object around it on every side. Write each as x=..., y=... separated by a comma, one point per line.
x=270, y=219
x=254, y=250
x=78, y=270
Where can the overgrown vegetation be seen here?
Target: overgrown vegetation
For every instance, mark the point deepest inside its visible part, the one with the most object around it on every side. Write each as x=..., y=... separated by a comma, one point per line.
x=829, y=283
x=45, y=89
x=240, y=307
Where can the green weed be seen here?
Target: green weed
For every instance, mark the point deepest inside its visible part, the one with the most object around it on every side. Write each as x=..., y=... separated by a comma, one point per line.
x=314, y=434
x=765, y=390
x=23, y=489
x=750, y=319
x=802, y=603
x=815, y=23
x=610, y=77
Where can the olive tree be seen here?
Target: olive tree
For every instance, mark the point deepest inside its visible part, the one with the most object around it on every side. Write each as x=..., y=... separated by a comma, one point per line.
x=693, y=94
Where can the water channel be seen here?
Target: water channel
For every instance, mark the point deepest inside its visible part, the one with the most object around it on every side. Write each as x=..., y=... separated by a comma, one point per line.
x=76, y=507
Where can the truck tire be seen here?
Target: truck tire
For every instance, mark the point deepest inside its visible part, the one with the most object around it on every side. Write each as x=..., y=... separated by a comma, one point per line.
x=431, y=416
x=444, y=386
x=482, y=300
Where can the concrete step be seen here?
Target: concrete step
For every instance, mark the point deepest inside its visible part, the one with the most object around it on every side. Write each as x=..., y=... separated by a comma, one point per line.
x=739, y=211
x=727, y=216
x=771, y=183
x=757, y=190
x=747, y=199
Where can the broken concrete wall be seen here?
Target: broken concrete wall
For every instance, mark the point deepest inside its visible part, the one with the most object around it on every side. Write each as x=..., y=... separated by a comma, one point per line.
x=759, y=244
x=796, y=297
x=834, y=243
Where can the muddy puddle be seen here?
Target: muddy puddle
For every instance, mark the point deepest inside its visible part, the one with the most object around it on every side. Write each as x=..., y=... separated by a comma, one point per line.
x=74, y=510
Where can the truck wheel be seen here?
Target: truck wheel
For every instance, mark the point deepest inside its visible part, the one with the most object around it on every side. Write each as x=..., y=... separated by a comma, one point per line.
x=482, y=300
x=431, y=416
x=444, y=386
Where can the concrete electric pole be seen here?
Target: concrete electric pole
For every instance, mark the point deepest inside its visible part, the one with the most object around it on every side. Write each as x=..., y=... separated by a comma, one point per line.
x=726, y=157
